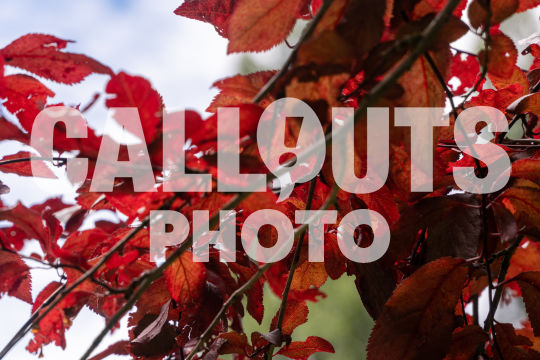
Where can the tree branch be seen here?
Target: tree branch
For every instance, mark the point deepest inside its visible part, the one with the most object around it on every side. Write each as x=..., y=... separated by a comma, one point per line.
x=294, y=264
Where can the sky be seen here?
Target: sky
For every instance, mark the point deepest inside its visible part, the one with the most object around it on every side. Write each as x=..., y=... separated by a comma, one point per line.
x=182, y=58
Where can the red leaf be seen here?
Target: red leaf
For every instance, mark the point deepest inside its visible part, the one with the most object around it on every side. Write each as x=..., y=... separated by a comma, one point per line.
x=80, y=246
x=309, y=274
x=185, y=279
x=465, y=70
x=240, y=89
x=14, y=276
x=9, y=131
x=26, y=97
x=45, y=293
x=527, y=4
x=500, y=10
x=296, y=313
x=425, y=7
x=41, y=55
x=527, y=169
x=526, y=104
x=30, y=221
x=215, y=12
x=118, y=348
x=523, y=200
x=502, y=55
x=135, y=91
x=254, y=295
x=207, y=130
x=334, y=260
x=301, y=350
x=418, y=320
x=529, y=282
x=513, y=346
x=53, y=326
x=24, y=168
x=499, y=99
x=258, y=25
x=465, y=342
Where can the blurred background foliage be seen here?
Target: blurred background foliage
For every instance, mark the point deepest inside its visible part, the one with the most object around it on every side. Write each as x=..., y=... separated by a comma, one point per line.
x=339, y=318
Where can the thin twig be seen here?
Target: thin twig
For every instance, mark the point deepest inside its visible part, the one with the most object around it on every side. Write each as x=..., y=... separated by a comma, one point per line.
x=488, y=323
x=294, y=264
x=60, y=160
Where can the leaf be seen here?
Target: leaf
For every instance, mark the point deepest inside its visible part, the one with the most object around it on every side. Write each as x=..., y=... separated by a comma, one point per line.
x=236, y=343
x=14, y=277
x=326, y=48
x=502, y=55
x=505, y=222
x=421, y=85
x=526, y=104
x=157, y=339
x=240, y=89
x=185, y=279
x=301, y=350
x=525, y=259
x=41, y=54
x=52, y=327
x=517, y=77
x=499, y=99
x=500, y=10
x=31, y=223
x=9, y=131
x=309, y=274
x=452, y=30
x=296, y=313
x=527, y=169
x=26, y=97
x=465, y=343
x=135, y=91
x=529, y=282
x=523, y=200
x=334, y=260
x=214, y=349
x=418, y=320
x=118, y=348
x=357, y=19
x=324, y=88
x=215, y=12
x=382, y=202
x=375, y=284
x=258, y=25
x=513, y=346
x=453, y=226
x=24, y=168
x=466, y=70
x=424, y=7
x=255, y=306
x=154, y=328
x=527, y=4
